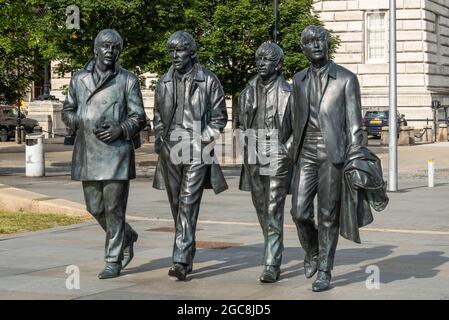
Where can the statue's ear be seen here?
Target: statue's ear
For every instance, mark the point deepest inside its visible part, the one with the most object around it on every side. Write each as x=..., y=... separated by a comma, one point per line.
x=279, y=66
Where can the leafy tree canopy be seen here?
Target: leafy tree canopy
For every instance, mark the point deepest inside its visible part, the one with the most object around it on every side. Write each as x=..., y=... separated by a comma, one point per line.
x=19, y=57
x=228, y=33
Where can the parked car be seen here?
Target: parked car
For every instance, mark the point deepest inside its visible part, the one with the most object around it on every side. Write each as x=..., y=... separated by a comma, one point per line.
x=8, y=122
x=374, y=120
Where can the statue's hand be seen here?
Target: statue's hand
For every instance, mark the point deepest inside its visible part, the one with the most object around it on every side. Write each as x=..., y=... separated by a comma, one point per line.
x=109, y=132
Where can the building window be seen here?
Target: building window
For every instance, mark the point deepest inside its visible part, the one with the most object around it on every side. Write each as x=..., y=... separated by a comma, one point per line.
x=376, y=37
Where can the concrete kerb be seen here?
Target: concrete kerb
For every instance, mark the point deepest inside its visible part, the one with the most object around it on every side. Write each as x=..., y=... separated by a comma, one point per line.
x=16, y=200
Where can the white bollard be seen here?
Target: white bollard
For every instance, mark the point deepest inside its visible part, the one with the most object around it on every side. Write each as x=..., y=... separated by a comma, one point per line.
x=34, y=156
x=431, y=173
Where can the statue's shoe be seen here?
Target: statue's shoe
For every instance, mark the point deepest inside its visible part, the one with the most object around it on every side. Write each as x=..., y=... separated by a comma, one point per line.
x=111, y=270
x=128, y=250
x=270, y=274
x=322, y=282
x=179, y=271
x=310, y=268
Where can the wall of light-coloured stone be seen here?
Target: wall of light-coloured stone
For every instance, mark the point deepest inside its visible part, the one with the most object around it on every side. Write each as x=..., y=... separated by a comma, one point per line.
x=423, y=61
x=437, y=45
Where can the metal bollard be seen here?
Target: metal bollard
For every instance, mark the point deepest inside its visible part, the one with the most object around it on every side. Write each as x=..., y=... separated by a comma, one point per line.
x=23, y=134
x=431, y=173
x=18, y=136
x=34, y=155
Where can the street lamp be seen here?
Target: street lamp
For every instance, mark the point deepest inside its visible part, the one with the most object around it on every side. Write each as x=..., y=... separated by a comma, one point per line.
x=46, y=89
x=275, y=31
x=393, y=148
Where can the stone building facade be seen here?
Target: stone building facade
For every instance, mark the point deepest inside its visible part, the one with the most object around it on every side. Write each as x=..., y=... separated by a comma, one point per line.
x=422, y=51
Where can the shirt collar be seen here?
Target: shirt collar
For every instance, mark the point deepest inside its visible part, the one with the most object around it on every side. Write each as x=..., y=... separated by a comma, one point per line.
x=187, y=75
x=321, y=71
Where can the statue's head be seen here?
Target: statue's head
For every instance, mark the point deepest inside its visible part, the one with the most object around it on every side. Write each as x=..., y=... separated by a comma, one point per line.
x=315, y=43
x=269, y=59
x=182, y=49
x=107, y=47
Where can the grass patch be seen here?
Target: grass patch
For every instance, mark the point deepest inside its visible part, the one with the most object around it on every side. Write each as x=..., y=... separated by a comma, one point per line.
x=15, y=222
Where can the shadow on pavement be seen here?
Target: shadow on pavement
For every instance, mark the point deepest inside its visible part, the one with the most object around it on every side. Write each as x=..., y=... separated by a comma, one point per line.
x=244, y=257
x=420, y=266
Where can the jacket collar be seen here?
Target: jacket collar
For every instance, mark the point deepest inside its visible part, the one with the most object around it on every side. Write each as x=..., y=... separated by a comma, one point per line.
x=280, y=81
x=198, y=74
x=90, y=66
x=88, y=79
x=332, y=71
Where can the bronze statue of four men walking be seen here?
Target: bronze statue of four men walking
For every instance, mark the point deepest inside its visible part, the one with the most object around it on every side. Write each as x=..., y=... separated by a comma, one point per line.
x=300, y=136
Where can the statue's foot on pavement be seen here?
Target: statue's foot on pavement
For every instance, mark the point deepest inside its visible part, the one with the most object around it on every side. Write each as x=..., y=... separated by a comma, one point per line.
x=128, y=250
x=322, y=282
x=111, y=270
x=270, y=274
x=179, y=271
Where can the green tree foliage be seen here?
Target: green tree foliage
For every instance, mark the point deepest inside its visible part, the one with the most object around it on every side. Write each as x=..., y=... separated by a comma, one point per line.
x=229, y=32
x=141, y=24
x=34, y=31
x=19, y=56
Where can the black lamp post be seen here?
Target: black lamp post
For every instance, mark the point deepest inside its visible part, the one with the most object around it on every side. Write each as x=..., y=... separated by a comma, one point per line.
x=46, y=90
x=275, y=31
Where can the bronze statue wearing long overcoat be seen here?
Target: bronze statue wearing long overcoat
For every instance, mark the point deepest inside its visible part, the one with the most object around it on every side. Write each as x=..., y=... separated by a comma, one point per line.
x=117, y=98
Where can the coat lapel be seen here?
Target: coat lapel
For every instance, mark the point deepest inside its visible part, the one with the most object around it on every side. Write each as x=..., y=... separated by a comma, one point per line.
x=252, y=108
x=306, y=81
x=283, y=97
x=196, y=83
x=89, y=82
x=305, y=86
x=169, y=92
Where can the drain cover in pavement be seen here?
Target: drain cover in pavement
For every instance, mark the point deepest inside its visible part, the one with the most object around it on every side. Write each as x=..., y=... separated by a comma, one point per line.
x=166, y=229
x=162, y=229
x=216, y=245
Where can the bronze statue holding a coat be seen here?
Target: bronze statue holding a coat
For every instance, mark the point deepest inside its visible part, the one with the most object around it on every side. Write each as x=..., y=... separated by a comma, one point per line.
x=327, y=122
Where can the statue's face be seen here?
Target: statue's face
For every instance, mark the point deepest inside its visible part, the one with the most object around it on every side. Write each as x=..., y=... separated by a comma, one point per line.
x=108, y=53
x=266, y=65
x=181, y=58
x=316, y=47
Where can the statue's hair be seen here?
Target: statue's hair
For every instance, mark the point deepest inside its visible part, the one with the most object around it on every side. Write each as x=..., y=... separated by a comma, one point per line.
x=183, y=39
x=311, y=31
x=108, y=35
x=271, y=49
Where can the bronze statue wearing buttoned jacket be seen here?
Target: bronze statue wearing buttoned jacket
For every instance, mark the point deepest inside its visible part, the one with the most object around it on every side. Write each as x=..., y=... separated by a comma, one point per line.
x=268, y=191
x=118, y=98
x=265, y=121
